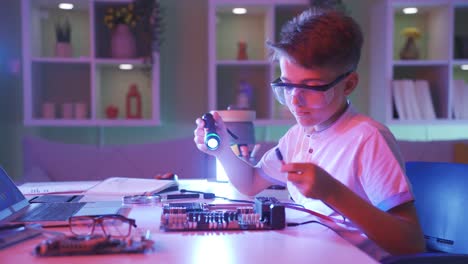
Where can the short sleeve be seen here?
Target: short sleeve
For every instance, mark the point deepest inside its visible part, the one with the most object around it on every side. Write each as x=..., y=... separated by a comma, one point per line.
x=383, y=176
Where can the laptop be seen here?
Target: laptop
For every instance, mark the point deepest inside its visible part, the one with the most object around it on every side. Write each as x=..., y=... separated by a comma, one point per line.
x=16, y=208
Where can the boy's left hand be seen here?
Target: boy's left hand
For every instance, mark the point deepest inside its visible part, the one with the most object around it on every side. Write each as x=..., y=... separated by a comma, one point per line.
x=311, y=180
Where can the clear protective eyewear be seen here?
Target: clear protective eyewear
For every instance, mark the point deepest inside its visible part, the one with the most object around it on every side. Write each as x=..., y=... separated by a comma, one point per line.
x=116, y=226
x=282, y=89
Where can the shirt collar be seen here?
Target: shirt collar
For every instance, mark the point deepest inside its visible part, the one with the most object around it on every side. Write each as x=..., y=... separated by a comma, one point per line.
x=329, y=122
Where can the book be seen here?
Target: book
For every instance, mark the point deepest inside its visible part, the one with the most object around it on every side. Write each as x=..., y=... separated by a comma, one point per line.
x=56, y=187
x=398, y=99
x=410, y=100
x=131, y=186
x=465, y=100
x=457, y=98
x=423, y=94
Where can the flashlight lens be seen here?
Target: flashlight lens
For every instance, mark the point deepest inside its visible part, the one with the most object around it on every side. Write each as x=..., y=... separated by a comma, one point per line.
x=212, y=141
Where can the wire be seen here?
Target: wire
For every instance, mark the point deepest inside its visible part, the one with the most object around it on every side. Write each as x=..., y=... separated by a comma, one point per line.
x=313, y=222
x=293, y=206
x=307, y=222
x=235, y=200
x=312, y=213
x=212, y=195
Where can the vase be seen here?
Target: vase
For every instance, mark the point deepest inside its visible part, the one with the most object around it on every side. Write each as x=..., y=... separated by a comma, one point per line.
x=241, y=50
x=63, y=49
x=123, y=43
x=409, y=51
x=133, y=102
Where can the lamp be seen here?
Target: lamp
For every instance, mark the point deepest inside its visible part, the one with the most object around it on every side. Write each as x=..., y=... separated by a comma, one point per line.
x=240, y=124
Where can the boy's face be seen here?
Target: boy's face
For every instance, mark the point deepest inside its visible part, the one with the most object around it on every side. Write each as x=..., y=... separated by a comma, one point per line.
x=311, y=107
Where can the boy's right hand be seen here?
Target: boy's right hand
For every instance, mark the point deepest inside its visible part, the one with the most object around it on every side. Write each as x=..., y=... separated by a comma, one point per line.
x=200, y=132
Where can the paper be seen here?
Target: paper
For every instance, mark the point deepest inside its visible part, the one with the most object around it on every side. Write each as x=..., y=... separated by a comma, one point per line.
x=56, y=187
x=131, y=186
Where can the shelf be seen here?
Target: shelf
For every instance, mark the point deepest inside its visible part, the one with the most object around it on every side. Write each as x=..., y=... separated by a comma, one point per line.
x=440, y=22
x=432, y=22
x=460, y=32
x=262, y=22
x=42, y=16
x=69, y=87
x=86, y=60
x=421, y=62
x=115, y=84
x=250, y=28
x=87, y=123
x=75, y=90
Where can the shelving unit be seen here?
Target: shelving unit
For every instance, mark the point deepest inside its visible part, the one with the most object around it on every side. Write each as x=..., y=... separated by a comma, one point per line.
x=90, y=78
x=441, y=23
x=262, y=22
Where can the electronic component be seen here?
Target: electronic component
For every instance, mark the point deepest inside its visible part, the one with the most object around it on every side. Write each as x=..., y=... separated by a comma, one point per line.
x=271, y=210
x=91, y=245
x=266, y=214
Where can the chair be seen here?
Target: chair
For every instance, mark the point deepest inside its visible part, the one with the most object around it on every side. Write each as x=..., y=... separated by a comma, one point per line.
x=441, y=196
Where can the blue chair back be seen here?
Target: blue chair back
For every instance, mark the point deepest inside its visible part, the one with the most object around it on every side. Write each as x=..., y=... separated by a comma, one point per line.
x=441, y=193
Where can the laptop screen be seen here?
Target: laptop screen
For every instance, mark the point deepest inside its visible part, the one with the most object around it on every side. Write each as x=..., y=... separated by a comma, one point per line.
x=11, y=199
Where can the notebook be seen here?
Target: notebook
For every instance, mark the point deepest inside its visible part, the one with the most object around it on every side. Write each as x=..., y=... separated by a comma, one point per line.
x=132, y=186
x=16, y=208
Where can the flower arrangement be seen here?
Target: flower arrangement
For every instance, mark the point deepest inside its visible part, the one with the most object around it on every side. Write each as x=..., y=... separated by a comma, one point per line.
x=411, y=32
x=120, y=15
x=63, y=31
x=150, y=15
x=146, y=17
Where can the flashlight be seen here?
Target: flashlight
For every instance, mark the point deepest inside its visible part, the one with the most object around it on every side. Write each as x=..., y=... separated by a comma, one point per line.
x=212, y=138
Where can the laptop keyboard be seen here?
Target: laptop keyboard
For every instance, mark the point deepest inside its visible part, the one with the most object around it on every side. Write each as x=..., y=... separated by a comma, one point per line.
x=52, y=212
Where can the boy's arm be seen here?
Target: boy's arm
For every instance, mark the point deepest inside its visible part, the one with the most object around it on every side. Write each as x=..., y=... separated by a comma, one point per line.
x=397, y=230
x=243, y=175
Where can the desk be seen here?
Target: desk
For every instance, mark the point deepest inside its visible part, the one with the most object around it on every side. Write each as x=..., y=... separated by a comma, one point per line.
x=311, y=243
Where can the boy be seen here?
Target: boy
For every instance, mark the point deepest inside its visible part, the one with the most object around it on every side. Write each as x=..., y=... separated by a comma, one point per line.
x=338, y=162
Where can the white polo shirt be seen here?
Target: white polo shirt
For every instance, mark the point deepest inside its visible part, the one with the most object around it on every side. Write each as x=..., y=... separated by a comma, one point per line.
x=356, y=150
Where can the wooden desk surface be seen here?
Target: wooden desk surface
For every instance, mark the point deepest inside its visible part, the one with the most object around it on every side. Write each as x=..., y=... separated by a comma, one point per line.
x=311, y=243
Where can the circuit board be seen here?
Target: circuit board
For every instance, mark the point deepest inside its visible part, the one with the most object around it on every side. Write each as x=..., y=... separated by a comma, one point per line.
x=265, y=214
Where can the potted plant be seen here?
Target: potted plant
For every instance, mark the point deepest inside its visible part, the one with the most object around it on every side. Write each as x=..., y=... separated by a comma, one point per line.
x=63, y=37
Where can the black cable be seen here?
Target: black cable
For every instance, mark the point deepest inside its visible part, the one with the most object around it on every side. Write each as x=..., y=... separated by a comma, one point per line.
x=212, y=195
x=312, y=222
x=293, y=204
x=325, y=217
x=292, y=224
x=235, y=200
x=303, y=223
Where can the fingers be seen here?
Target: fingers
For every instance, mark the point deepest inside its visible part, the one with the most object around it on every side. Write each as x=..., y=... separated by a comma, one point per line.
x=219, y=121
x=293, y=168
x=200, y=123
x=200, y=132
x=199, y=135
